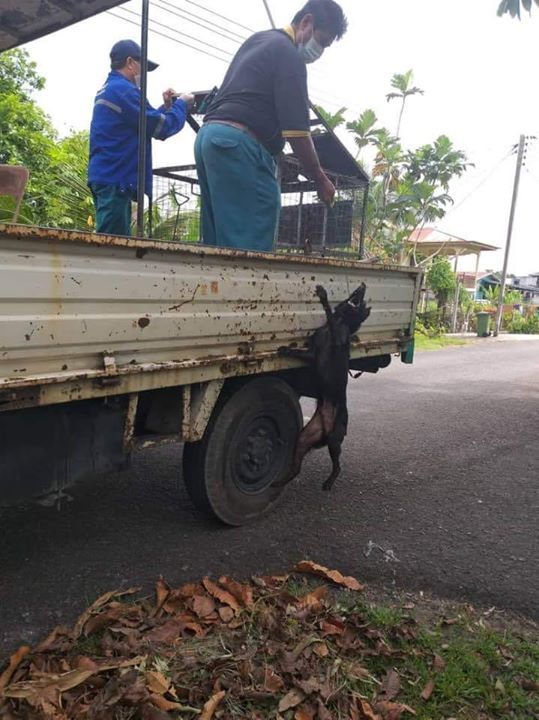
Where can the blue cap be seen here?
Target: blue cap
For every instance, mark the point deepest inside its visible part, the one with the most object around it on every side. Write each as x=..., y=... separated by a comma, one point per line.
x=128, y=48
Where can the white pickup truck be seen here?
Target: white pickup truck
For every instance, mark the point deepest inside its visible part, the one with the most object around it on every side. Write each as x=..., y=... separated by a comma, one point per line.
x=109, y=344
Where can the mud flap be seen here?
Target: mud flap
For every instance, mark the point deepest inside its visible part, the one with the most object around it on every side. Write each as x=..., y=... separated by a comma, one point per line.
x=407, y=356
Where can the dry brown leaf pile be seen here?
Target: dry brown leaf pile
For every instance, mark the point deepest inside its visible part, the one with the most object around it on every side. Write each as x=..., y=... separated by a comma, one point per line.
x=215, y=649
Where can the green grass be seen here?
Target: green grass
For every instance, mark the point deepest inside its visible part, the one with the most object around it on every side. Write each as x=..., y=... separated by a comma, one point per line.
x=483, y=662
x=424, y=342
x=481, y=672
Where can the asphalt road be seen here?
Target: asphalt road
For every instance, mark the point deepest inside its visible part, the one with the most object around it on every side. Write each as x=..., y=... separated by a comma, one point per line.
x=439, y=493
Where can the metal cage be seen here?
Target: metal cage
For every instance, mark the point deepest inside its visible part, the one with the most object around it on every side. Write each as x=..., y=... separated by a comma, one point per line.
x=176, y=204
x=305, y=226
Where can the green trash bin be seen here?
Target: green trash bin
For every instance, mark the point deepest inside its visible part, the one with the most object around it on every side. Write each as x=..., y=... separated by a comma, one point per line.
x=483, y=324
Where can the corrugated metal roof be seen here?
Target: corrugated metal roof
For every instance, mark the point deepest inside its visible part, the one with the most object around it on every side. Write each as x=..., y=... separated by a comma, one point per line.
x=25, y=20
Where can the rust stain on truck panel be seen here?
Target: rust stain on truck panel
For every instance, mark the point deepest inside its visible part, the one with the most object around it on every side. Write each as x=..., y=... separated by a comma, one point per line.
x=233, y=363
x=142, y=246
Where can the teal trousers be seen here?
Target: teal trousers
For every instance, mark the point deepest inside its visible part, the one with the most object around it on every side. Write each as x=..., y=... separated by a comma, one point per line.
x=240, y=194
x=112, y=209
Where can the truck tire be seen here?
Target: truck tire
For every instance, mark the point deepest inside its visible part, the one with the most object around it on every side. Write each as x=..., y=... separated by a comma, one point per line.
x=238, y=470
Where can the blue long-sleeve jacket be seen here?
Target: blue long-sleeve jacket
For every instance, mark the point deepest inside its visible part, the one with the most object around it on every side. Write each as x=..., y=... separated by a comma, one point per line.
x=114, y=133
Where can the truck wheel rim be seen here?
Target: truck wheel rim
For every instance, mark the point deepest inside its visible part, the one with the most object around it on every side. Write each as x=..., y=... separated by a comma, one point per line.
x=256, y=458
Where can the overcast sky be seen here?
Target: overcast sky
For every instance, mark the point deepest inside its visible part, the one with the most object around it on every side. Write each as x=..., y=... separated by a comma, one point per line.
x=478, y=72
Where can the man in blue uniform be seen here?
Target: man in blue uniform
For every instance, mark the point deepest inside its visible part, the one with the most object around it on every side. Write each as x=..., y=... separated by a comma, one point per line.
x=262, y=103
x=112, y=170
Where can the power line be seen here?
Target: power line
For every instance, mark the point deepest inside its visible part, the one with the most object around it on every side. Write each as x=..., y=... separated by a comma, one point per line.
x=321, y=97
x=223, y=17
x=268, y=11
x=480, y=184
x=183, y=14
x=168, y=37
x=326, y=99
x=178, y=32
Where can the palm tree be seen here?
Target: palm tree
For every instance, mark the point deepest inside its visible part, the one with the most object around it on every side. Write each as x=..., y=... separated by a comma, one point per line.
x=403, y=84
x=513, y=7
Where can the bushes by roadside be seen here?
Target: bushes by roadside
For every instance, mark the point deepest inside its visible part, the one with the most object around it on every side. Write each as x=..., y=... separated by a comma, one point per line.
x=524, y=325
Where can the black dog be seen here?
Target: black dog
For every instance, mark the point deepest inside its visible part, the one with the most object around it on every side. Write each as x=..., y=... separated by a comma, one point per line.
x=329, y=353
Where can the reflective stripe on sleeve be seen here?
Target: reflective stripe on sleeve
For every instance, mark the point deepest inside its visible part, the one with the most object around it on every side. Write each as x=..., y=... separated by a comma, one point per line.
x=159, y=126
x=109, y=104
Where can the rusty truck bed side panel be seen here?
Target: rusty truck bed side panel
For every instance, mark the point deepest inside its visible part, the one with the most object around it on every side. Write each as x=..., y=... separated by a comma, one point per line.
x=84, y=315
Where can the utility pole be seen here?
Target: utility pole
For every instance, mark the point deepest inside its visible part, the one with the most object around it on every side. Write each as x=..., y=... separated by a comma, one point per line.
x=141, y=174
x=503, y=282
x=455, y=317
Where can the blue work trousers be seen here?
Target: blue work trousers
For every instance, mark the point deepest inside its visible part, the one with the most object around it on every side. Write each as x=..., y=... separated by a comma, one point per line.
x=240, y=194
x=112, y=209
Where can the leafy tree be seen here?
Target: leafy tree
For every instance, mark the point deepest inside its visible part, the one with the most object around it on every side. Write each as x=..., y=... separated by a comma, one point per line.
x=441, y=280
x=408, y=187
x=27, y=138
x=56, y=194
x=26, y=134
x=334, y=120
x=71, y=204
x=403, y=85
x=492, y=295
x=18, y=74
x=513, y=297
x=466, y=300
x=364, y=130
x=513, y=7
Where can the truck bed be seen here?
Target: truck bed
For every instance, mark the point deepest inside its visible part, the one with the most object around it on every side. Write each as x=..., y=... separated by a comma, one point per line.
x=85, y=315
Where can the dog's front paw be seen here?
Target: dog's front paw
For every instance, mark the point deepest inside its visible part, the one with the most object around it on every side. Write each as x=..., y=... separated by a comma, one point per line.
x=321, y=292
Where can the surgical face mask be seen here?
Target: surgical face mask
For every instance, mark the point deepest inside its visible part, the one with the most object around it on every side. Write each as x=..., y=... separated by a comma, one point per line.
x=311, y=51
x=137, y=77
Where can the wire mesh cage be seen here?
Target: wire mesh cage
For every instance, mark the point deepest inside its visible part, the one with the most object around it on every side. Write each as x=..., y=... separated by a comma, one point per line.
x=306, y=225
x=309, y=226
x=176, y=205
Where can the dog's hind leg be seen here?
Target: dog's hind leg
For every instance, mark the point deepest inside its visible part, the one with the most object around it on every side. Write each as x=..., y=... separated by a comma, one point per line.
x=311, y=435
x=334, y=447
